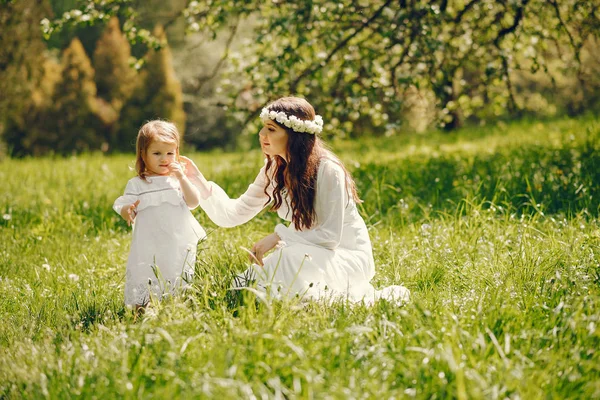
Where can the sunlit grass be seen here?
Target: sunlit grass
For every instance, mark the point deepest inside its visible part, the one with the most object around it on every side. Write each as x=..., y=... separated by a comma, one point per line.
x=494, y=231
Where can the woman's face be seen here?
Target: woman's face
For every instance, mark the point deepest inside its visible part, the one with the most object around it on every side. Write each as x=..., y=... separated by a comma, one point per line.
x=273, y=140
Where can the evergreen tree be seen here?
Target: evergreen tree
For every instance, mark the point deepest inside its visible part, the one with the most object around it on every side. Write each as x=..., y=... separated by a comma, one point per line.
x=115, y=78
x=157, y=95
x=21, y=64
x=74, y=104
x=28, y=134
x=162, y=83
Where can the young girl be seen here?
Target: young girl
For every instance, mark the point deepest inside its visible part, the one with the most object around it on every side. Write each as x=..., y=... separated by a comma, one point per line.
x=158, y=203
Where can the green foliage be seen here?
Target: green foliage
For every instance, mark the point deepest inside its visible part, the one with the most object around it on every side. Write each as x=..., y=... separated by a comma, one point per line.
x=359, y=60
x=506, y=296
x=557, y=175
x=27, y=134
x=88, y=14
x=67, y=112
x=21, y=60
x=63, y=115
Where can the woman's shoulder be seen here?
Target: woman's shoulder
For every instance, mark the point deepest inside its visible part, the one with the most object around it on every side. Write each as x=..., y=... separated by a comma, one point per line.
x=330, y=165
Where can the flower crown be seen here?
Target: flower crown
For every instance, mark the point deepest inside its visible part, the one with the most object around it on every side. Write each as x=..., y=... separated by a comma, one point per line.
x=294, y=123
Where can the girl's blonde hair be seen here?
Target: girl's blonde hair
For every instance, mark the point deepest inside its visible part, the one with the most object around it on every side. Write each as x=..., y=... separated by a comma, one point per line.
x=156, y=130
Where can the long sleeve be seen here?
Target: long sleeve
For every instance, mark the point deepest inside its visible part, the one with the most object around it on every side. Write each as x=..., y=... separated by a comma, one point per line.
x=331, y=199
x=227, y=212
x=129, y=197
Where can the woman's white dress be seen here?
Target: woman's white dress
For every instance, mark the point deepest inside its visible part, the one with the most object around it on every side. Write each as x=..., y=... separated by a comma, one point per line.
x=334, y=259
x=165, y=238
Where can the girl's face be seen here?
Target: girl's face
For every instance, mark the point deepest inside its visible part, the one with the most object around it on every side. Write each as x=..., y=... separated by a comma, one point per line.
x=158, y=157
x=273, y=140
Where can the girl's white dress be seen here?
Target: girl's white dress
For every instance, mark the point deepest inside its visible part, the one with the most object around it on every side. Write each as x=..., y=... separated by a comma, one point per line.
x=334, y=259
x=165, y=238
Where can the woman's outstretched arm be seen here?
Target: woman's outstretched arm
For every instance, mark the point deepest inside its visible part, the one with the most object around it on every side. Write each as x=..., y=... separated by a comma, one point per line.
x=217, y=204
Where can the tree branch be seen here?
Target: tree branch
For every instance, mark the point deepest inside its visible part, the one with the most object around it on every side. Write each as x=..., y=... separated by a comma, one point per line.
x=312, y=69
x=413, y=34
x=564, y=26
x=512, y=104
x=443, y=5
x=516, y=21
x=466, y=9
x=219, y=64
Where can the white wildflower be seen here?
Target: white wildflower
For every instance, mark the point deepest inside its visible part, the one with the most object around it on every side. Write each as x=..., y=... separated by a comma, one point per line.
x=296, y=124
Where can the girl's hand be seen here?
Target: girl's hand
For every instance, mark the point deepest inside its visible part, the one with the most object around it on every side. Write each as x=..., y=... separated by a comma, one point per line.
x=263, y=246
x=195, y=177
x=176, y=169
x=129, y=212
x=191, y=170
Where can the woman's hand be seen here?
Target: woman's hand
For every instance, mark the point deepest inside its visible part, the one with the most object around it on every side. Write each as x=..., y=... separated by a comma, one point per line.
x=195, y=176
x=263, y=246
x=191, y=170
x=129, y=212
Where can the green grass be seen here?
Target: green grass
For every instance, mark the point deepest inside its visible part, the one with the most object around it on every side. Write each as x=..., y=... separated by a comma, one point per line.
x=494, y=230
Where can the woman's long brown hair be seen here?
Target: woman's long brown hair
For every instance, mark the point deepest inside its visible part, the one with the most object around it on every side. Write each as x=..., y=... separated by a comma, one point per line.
x=299, y=173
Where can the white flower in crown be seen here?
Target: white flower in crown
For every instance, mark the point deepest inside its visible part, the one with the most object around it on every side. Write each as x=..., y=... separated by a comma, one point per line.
x=294, y=123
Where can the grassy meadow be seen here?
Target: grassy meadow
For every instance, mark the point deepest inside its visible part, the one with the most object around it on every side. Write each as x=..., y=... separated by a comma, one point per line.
x=494, y=230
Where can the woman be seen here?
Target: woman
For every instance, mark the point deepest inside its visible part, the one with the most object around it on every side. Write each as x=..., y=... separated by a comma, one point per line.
x=326, y=250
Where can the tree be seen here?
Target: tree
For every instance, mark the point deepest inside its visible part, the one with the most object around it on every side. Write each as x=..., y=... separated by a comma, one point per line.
x=21, y=57
x=356, y=59
x=157, y=95
x=27, y=134
x=74, y=105
x=114, y=76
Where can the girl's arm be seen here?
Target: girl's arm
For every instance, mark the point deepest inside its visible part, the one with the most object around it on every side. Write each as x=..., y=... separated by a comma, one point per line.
x=196, y=177
x=190, y=193
x=126, y=205
x=219, y=207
